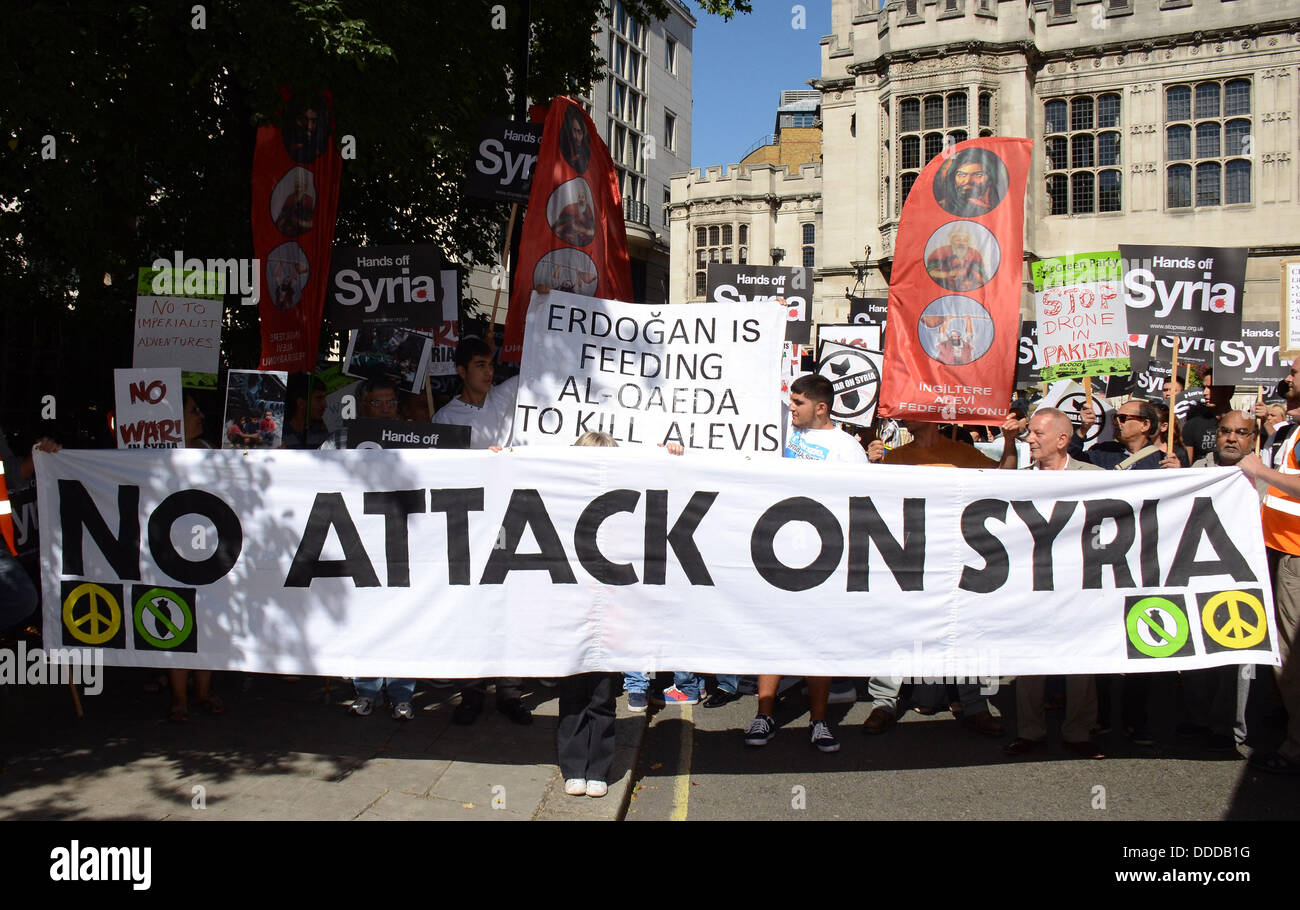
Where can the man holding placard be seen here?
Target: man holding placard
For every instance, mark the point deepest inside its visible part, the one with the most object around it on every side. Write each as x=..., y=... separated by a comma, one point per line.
x=488, y=411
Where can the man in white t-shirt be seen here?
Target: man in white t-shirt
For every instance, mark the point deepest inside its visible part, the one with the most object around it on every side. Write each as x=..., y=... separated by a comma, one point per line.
x=488, y=410
x=815, y=438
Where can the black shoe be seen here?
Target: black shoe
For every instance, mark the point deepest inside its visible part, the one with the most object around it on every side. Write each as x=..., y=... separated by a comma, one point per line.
x=1139, y=736
x=467, y=711
x=720, y=697
x=1220, y=742
x=516, y=710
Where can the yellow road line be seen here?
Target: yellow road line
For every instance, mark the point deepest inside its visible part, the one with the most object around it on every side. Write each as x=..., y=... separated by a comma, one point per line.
x=682, y=781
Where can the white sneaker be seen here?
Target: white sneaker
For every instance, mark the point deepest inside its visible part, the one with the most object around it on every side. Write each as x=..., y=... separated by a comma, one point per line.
x=362, y=706
x=597, y=788
x=576, y=786
x=404, y=711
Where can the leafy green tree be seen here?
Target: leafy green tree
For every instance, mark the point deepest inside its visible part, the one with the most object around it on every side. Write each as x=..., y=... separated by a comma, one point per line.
x=128, y=133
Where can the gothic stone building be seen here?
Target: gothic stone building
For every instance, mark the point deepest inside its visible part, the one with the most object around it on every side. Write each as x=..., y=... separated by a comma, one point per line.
x=1154, y=121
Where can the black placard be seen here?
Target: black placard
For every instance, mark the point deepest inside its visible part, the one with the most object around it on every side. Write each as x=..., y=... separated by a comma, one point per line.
x=1255, y=359
x=385, y=286
x=1191, y=291
x=1029, y=356
x=504, y=158
x=366, y=433
x=729, y=283
x=868, y=310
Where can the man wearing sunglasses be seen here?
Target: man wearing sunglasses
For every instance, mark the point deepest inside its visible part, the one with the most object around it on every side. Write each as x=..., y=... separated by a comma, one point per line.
x=1136, y=425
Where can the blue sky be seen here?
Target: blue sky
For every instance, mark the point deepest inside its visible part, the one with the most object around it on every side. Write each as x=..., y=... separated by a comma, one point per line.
x=740, y=69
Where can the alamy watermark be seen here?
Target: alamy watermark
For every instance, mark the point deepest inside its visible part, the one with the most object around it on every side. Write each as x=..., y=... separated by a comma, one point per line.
x=941, y=666
x=180, y=276
x=26, y=666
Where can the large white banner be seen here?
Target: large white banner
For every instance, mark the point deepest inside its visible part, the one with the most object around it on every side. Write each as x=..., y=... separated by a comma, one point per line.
x=705, y=376
x=551, y=561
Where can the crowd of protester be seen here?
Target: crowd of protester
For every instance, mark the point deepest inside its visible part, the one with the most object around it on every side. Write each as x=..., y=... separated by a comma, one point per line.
x=1259, y=442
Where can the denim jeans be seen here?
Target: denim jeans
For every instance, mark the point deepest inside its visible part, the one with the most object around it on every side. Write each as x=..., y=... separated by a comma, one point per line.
x=687, y=682
x=399, y=690
x=727, y=683
x=17, y=593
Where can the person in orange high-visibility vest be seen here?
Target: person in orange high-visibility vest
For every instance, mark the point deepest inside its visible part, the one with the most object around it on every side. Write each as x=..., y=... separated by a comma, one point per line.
x=17, y=594
x=1281, y=517
x=6, y=513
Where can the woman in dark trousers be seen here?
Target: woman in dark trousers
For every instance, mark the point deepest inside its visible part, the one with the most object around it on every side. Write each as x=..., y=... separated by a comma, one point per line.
x=584, y=737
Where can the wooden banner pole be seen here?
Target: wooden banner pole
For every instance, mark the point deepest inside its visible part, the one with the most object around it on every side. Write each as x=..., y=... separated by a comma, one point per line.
x=505, y=254
x=1173, y=372
x=1259, y=431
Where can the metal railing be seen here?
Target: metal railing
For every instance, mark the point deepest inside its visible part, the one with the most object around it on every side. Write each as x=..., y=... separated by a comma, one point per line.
x=636, y=212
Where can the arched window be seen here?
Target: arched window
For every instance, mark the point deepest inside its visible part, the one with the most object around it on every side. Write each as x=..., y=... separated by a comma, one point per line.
x=1208, y=125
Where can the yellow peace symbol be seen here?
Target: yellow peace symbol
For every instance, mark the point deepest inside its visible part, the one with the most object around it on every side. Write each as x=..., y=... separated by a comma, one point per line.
x=1235, y=632
x=101, y=627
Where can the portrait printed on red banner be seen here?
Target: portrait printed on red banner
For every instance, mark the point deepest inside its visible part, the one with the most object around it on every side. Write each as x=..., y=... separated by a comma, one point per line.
x=287, y=271
x=962, y=256
x=571, y=213
x=956, y=330
x=970, y=183
x=293, y=202
x=575, y=141
x=307, y=127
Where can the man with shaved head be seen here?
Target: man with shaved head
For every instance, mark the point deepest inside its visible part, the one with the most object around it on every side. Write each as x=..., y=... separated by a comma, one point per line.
x=1049, y=444
x=1050, y=431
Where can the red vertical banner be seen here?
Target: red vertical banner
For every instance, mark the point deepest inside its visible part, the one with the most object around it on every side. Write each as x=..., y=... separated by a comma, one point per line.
x=574, y=238
x=954, y=292
x=296, y=168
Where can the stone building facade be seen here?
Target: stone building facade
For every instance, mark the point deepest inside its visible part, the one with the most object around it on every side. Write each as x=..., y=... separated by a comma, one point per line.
x=1153, y=121
x=766, y=210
